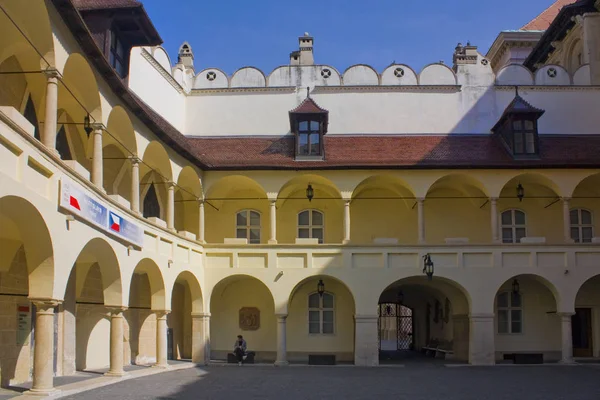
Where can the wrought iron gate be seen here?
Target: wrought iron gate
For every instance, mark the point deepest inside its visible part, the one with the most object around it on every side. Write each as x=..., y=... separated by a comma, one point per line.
x=395, y=327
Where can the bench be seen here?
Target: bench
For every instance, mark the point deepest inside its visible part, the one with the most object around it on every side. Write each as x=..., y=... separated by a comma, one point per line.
x=321, y=359
x=232, y=359
x=438, y=349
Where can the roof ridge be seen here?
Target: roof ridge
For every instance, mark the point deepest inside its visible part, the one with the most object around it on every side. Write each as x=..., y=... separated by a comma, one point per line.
x=545, y=14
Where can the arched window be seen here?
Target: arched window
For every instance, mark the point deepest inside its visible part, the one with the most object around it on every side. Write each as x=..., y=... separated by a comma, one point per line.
x=151, y=205
x=31, y=116
x=247, y=226
x=513, y=226
x=582, y=227
x=62, y=144
x=509, y=311
x=321, y=314
x=311, y=225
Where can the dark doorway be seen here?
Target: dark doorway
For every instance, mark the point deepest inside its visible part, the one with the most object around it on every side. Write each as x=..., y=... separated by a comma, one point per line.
x=395, y=329
x=170, y=352
x=581, y=326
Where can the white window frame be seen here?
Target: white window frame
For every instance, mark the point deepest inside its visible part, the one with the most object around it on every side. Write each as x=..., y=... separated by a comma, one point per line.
x=310, y=225
x=580, y=225
x=509, y=311
x=248, y=227
x=320, y=310
x=513, y=226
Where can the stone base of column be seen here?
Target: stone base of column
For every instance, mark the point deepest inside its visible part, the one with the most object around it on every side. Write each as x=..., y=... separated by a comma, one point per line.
x=42, y=392
x=345, y=241
x=272, y=241
x=162, y=366
x=116, y=374
x=281, y=363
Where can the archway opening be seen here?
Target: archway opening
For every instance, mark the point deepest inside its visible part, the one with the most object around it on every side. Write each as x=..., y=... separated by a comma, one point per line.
x=422, y=320
x=527, y=327
x=585, y=324
x=320, y=327
x=243, y=305
x=186, y=299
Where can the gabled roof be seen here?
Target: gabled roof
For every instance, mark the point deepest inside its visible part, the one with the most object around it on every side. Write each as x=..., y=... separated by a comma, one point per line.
x=545, y=19
x=518, y=106
x=308, y=106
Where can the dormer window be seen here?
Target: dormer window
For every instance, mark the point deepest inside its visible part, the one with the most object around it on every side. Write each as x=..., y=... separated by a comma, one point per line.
x=308, y=122
x=117, y=54
x=518, y=128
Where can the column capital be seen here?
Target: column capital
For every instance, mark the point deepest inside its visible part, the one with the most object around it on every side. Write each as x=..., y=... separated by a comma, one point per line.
x=363, y=318
x=281, y=316
x=200, y=315
x=51, y=73
x=494, y=199
x=161, y=314
x=201, y=201
x=45, y=304
x=134, y=160
x=171, y=185
x=97, y=127
x=566, y=199
x=481, y=317
x=272, y=196
x=565, y=314
x=116, y=311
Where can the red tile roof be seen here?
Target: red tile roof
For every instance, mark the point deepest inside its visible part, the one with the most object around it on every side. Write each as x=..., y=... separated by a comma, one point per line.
x=308, y=106
x=545, y=19
x=406, y=151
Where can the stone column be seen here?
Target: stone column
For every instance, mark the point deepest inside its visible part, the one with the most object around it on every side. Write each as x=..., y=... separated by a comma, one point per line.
x=366, y=349
x=50, y=119
x=135, y=184
x=566, y=338
x=481, y=340
x=161, y=339
x=171, y=206
x=116, y=342
x=273, y=208
x=201, y=221
x=346, y=221
x=460, y=333
x=43, y=351
x=421, y=219
x=281, y=341
x=97, y=178
x=567, y=220
x=207, y=337
x=199, y=337
x=494, y=219
x=591, y=44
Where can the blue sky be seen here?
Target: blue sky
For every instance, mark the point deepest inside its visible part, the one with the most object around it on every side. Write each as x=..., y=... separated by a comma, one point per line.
x=230, y=34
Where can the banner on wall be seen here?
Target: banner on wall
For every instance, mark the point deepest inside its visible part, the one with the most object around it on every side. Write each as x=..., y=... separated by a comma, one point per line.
x=76, y=200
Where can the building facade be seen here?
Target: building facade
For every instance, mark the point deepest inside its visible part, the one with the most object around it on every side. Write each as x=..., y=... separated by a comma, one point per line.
x=151, y=211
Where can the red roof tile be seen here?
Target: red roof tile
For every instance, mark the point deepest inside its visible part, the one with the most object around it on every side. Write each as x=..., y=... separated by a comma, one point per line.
x=545, y=19
x=407, y=151
x=308, y=106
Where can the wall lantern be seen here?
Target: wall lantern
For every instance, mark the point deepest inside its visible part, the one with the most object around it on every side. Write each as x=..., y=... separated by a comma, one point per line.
x=400, y=297
x=520, y=192
x=516, y=288
x=310, y=192
x=87, y=126
x=428, y=266
x=320, y=287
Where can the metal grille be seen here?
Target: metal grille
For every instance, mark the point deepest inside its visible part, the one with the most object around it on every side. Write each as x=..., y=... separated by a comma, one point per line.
x=395, y=327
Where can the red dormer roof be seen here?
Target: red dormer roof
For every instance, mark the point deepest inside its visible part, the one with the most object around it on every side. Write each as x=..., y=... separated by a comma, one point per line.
x=545, y=19
x=309, y=106
x=518, y=106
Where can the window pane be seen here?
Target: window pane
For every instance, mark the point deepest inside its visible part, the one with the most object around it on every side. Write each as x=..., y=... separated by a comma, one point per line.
x=303, y=144
x=520, y=234
x=327, y=328
x=317, y=218
x=254, y=218
x=317, y=233
x=303, y=233
x=120, y=50
x=515, y=327
x=507, y=235
x=314, y=126
x=313, y=301
x=503, y=299
x=528, y=125
x=517, y=125
x=516, y=322
x=519, y=147
x=314, y=316
x=502, y=321
x=314, y=327
x=328, y=317
x=111, y=59
x=315, y=145
x=327, y=300
x=119, y=68
x=515, y=299
x=530, y=143
x=587, y=234
x=519, y=217
x=506, y=218
x=303, y=126
x=255, y=236
x=241, y=234
x=574, y=216
x=515, y=315
x=575, y=235
x=241, y=218
x=303, y=218
x=586, y=217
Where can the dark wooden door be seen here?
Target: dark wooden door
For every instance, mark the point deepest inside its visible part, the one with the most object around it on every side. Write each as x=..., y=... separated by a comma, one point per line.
x=581, y=325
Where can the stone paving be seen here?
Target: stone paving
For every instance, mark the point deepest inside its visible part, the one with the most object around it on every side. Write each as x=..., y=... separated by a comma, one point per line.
x=414, y=382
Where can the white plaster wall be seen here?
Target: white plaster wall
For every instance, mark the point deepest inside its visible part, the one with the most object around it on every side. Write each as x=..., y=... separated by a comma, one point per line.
x=155, y=90
x=514, y=74
x=543, y=76
x=409, y=77
x=248, y=77
x=201, y=80
x=582, y=76
x=303, y=76
x=162, y=57
x=360, y=75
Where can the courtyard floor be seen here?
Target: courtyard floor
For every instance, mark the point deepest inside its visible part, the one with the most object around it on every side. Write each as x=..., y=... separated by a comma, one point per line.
x=414, y=382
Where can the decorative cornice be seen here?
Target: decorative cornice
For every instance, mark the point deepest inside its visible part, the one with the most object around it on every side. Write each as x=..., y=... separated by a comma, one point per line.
x=388, y=88
x=162, y=71
x=549, y=88
x=274, y=89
